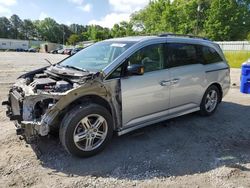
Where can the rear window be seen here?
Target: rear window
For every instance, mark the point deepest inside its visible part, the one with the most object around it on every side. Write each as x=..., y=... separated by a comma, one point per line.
x=210, y=55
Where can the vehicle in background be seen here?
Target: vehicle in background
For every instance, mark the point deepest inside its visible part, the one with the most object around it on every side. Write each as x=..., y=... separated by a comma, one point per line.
x=32, y=50
x=67, y=51
x=20, y=50
x=55, y=51
x=75, y=50
x=61, y=51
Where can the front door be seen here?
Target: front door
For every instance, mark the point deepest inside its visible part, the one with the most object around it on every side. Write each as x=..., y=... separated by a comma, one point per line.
x=145, y=97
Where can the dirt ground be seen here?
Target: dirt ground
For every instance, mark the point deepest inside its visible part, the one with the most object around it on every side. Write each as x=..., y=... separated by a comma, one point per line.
x=189, y=151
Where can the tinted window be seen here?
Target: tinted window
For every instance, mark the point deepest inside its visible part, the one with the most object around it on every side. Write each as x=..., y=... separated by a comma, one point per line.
x=152, y=57
x=210, y=55
x=181, y=54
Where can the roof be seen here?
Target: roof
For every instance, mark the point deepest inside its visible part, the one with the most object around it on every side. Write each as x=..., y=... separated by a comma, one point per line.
x=12, y=40
x=170, y=36
x=132, y=38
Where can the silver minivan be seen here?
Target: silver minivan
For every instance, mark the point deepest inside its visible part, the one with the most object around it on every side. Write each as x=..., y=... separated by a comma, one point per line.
x=117, y=86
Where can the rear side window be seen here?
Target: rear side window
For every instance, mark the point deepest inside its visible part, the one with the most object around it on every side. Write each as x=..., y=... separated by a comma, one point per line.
x=179, y=54
x=210, y=55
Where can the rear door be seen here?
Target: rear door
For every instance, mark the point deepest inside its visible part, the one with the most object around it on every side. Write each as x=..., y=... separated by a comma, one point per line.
x=187, y=77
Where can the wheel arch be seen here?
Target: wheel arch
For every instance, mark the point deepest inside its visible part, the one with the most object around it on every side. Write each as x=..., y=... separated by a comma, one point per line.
x=87, y=99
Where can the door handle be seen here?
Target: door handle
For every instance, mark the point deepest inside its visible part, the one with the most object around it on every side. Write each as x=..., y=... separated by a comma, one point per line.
x=165, y=82
x=175, y=81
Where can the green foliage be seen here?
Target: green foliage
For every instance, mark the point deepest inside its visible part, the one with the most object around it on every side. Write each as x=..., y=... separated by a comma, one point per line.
x=97, y=33
x=236, y=58
x=228, y=20
x=216, y=19
x=16, y=24
x=122, y=29
x=50, y=30
x=28, y=29
x=248, y=36
x=5, y=27
x=73, y=39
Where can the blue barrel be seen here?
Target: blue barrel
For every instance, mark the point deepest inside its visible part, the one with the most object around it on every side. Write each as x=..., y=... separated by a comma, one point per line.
x=245, y=78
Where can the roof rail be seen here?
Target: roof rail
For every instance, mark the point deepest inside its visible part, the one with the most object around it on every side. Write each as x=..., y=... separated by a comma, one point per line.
x=181, y=35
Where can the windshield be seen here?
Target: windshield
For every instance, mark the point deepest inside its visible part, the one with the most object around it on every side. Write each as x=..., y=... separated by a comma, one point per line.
x=96, y=57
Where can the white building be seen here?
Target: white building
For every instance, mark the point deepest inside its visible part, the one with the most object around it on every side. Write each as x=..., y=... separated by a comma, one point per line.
x=13, y=44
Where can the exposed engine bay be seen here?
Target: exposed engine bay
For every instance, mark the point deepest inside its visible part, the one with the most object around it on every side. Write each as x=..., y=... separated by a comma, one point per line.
x=34, y=95
x=41, y=82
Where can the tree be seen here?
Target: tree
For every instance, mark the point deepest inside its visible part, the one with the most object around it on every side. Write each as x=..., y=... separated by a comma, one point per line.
x=217, y=19
x=97, y=33
x=5, y=27
x=16, y=24
x=149, y=19
x=77, y=29
x=66, y=32
x=85, y=36
x=73, y=39
x=248, y=36
x=118, y=31
x=28, y=29
x=122, y=29
x=228, y=20
x=50, y=30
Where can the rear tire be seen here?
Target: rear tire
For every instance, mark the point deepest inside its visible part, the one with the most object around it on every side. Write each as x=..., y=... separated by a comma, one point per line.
x=210, y=101
x=86, y=130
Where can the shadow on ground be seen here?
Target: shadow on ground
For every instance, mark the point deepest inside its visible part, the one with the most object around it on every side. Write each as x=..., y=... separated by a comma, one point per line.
x=182, y=146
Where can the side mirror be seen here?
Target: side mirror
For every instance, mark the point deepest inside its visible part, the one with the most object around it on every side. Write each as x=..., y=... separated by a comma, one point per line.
x=135, y=69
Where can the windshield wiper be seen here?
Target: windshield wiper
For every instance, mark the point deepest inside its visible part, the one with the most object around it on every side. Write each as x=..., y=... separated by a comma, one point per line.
x=48, y=61
x=75, y=68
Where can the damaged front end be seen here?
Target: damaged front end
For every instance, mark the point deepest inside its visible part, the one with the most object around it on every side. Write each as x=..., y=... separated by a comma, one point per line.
x=32, y=99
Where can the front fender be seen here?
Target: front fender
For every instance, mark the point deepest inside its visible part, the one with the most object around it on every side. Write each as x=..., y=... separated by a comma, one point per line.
x=89, y=88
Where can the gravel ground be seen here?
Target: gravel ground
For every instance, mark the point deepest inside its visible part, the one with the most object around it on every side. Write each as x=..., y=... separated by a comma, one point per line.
x=189, y=151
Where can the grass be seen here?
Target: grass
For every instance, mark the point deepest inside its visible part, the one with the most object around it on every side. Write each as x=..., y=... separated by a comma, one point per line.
x=236, y=58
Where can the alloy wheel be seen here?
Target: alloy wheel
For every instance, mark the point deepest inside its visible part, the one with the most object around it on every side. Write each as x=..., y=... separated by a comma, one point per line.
x=90, y=132
x=211, y=100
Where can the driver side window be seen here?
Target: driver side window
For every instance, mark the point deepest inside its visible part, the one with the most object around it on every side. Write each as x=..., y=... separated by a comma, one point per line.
x=151, y=57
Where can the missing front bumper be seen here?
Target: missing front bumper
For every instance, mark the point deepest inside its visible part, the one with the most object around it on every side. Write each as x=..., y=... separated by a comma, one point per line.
x=29, y=130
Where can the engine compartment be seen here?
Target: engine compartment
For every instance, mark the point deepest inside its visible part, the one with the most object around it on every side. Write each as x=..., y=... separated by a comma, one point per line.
x=43, y=82
x=41, y=89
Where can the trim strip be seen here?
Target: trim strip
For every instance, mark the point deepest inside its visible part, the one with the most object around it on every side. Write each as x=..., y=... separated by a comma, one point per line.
x=217, y=70
x=129, y=129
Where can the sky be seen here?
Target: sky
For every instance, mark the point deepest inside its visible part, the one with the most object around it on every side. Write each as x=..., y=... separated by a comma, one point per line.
x=101, y=12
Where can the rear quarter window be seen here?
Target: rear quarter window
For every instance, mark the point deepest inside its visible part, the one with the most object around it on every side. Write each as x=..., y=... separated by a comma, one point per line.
x=210, y=55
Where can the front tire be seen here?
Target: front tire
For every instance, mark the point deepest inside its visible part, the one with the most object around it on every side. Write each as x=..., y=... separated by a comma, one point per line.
x=86, y=130
x=210, y=101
